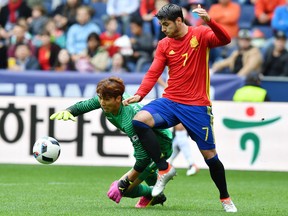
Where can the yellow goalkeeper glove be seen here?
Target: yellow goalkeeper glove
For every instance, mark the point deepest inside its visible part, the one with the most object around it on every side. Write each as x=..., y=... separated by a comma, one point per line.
x=63, y=115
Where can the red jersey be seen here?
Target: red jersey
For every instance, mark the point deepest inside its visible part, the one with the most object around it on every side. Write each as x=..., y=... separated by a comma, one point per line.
x=187, y=61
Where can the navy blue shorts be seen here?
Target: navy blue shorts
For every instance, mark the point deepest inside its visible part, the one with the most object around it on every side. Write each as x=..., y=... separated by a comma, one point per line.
x=198, y=120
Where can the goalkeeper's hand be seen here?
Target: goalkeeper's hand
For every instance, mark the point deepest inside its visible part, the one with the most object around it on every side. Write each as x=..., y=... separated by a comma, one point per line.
x=114, y=193
x=63, y=115
x=118, y=188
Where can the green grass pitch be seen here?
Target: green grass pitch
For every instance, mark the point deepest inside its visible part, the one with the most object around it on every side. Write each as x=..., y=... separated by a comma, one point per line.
x=81, y=190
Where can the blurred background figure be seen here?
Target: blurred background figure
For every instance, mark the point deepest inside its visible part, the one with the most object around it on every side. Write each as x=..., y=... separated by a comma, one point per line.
x=181, y=143
x=48, y=51
x=242, y=61
x=280, y=18
x=227, y=14
x=252, y=90
x=118, y=64
x=38, y=20
x=65, y=14
x=276, y=57
x=142, y=45
x=122, y=11
x=24, y=60
x=94, y=58
x=78, y=33
x=14, y=10
x=264, y=11
x=4, y=37
x=19, y=36
x=57, y=35
x=109, y=36
x=64, y=62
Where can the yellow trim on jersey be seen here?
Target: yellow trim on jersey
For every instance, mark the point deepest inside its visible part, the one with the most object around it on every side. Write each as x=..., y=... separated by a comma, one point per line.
x=207, y=74
x=209, y=112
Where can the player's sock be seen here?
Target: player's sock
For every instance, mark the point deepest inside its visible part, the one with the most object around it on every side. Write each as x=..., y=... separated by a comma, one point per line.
x=138, y=191
x=151, y=179
x=217, y=173
x=149, y=141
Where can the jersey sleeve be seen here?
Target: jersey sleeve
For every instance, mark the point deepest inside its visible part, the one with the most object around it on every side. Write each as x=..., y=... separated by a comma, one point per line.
x=217, y=35
x=85, y=106
x=154, y=72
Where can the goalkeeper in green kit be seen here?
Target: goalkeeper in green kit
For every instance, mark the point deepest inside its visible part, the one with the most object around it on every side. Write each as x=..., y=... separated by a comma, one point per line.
x=110, y=93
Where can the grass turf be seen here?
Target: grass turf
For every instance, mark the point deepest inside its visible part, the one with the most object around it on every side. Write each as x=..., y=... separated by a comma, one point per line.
x=81, y=190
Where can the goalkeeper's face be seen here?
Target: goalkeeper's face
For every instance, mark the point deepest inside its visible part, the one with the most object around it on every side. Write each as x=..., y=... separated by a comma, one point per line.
x=110, y=104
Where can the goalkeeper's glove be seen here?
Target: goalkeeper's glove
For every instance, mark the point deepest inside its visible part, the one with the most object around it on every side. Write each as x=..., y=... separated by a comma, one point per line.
x=114, y=193
x=118, y=188
x=63, y=115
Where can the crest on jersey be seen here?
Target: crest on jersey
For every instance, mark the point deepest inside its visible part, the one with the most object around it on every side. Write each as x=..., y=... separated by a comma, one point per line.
x=194, y=42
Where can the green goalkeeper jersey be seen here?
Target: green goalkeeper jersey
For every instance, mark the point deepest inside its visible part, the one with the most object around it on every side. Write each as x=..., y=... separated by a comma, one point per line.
x=123, y=121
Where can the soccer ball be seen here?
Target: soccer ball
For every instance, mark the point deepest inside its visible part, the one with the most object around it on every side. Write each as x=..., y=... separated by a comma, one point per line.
x=46, y=150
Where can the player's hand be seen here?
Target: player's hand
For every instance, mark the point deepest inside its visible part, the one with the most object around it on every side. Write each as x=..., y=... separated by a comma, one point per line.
x=202, y=13
x=132, y=99
x=63, y=115
x=114, y=193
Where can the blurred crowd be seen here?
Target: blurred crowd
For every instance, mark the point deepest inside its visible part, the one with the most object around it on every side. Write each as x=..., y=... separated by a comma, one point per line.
x=119, y=36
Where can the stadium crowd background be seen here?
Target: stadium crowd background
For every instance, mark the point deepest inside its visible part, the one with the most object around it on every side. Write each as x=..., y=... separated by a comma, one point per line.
x=119, y=36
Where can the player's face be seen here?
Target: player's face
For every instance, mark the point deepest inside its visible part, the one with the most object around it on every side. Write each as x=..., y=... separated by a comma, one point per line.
x=110, y=105
x=169, y=28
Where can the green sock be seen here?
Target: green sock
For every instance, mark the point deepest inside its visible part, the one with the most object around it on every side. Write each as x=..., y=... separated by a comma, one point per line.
x=138, y=191
x=151, y=179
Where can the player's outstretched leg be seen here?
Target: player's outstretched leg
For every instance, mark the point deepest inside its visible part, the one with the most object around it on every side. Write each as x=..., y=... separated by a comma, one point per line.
x=146, y=201
x=164, y=176
x=217, y=173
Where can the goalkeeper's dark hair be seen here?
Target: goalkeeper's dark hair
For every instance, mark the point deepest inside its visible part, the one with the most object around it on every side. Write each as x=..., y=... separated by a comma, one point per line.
x=170, y=12
x=110, y=87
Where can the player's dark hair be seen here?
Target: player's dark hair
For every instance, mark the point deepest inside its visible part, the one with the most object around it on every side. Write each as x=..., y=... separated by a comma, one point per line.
x=170, y=12
x=110, y=87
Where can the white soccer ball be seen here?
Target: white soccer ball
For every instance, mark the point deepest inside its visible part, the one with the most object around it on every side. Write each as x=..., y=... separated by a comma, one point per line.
x=46, y=150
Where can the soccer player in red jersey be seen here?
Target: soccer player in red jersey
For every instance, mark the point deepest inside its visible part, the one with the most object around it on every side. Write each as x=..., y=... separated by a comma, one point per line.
x=185, y=50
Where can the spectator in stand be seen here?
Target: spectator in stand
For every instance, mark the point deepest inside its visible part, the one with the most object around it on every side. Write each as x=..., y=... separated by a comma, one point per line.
x=252, y=90
x=122, y=10
x=18, y=37
x=110, y=35
x=24, y=60
x=158, y=29
x=264, y=11
x=227, y=14
x=23, y=22
x=280, y=18
x=244, y=60
x=65, y=14
x=4, y=36
x=57, y=35
x=276, y=57
x=193, y=18
x=38, y=20
x=64, y=62
x=78, y=33
x=142, y=44
x=147, y=12
x=13, y=11
x=47, y=53
x=49, y=5
x=118, y=64
x=95, y=58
